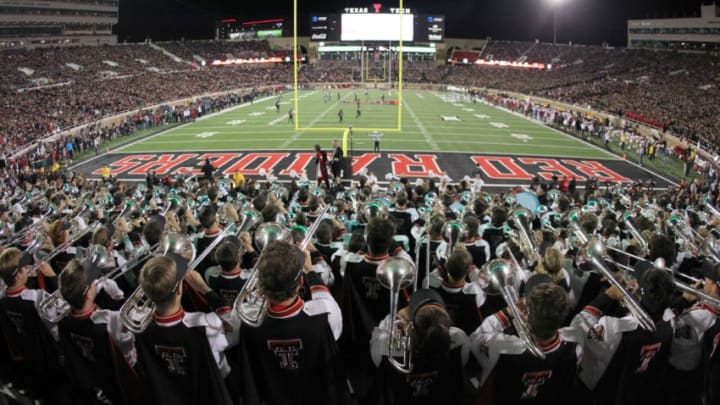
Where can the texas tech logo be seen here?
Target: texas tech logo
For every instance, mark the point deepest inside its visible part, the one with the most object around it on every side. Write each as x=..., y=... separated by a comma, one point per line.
x=17, y=320
x=228, y=296
x=597, y=334
x=647, y=353
x=371, y=287
x=85, y=345
x=174, y=357
x=533, y=381
x=287, y=352
x=421, y=384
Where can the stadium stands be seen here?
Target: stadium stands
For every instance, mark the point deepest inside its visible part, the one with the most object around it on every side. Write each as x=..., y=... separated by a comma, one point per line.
x=93, y=82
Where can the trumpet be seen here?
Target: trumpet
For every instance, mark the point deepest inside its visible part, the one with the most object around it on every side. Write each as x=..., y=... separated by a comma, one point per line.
x=453, y=232
x=503, y=278
x=396, y=274
x=250, y=305
x=594, y=251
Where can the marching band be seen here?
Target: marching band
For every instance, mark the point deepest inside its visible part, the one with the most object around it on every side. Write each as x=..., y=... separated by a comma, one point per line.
x=242, y=291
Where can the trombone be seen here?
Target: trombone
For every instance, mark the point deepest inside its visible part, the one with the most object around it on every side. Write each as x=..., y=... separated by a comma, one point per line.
x=250, y=304
x=660, y=264
x=594, y=251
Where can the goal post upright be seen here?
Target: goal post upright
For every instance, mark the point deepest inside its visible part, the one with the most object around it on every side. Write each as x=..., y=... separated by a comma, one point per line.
x=296, y=122
x=296, y=88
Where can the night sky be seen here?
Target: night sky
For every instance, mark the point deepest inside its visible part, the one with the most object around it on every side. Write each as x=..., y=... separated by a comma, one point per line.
x=579, y=21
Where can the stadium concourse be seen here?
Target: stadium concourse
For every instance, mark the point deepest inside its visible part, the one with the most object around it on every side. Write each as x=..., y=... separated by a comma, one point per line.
x=487, y=250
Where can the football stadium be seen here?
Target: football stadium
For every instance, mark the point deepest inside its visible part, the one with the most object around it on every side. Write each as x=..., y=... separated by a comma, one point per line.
x=206, y=202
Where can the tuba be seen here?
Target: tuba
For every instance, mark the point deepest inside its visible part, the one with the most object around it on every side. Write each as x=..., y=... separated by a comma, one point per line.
x=396, y=274
x=503, y=278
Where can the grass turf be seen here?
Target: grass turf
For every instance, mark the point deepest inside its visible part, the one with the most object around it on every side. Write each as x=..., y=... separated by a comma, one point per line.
x=480, y=129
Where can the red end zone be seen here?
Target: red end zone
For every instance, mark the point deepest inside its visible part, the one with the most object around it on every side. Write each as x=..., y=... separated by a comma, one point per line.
x=496, y=170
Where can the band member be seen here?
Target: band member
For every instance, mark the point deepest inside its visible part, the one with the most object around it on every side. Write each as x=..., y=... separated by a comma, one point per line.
x=439, y=353
x=231, y=277
x=463, y=299
x=321, y=163
x=518, y=376
x=428, y=257
x=182, y=353
x=337, y=159
x=295, y=347
x=59, y=235
x=212, y=228
x=688, y=362
x=31, y=342
x=208, y=169
x=478, y=248
x=92, y=338
x=622, y=362
x=365, y=302
x=493, y=233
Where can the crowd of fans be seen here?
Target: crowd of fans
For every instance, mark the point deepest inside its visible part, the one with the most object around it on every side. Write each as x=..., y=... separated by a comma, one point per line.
x=46, y=90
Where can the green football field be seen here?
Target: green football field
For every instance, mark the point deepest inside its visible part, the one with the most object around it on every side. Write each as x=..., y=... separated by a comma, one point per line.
x=468, y=128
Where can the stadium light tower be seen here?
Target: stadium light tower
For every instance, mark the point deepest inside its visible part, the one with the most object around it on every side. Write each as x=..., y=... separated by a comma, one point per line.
x=555, y=4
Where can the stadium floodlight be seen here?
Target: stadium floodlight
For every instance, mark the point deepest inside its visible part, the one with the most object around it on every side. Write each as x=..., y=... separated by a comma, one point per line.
x=555, y=4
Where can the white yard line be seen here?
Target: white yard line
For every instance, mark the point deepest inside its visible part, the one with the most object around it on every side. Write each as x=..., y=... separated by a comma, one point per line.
x=421, y=127
x=276, y=120
x=317, y=119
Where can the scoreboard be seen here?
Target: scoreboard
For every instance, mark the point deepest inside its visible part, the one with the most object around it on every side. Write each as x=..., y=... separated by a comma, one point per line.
x=374, y=24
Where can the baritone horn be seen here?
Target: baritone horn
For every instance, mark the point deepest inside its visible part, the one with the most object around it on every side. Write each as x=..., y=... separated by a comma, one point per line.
x=396, y=274
x=250, y=304
x=503, y=278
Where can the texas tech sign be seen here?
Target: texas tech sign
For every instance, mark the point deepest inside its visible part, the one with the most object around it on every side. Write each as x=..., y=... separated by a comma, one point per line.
x=494, y=169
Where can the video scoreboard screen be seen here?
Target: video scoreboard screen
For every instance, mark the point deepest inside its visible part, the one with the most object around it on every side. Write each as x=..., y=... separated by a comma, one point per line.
x=377, y=27
x=230, y=28
x=377, y=24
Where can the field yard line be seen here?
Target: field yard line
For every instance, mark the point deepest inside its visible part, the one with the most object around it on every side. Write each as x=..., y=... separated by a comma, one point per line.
x=588, y=144
x=313, y=122
x=421, y=127
x=276, y=120
x=420, y=96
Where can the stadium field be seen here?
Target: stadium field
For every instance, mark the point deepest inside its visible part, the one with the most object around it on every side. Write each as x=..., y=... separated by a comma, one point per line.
x=441, y=133
x=480, y=128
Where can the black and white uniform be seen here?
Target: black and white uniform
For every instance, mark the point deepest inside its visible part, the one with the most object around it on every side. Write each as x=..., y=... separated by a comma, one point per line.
x=426, y=384
x=479, y=249
x=463, y=303
x=515, y=376
x=227, y=283
x=711, y=356
x=622, y=363
x=203, y=243
x=292, y=354
x=97, y=351
x=183, y=356
x=31, y=342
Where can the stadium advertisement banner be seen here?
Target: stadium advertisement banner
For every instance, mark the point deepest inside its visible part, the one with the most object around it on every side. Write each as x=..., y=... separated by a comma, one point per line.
x=496, y=170
x=324, y=27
